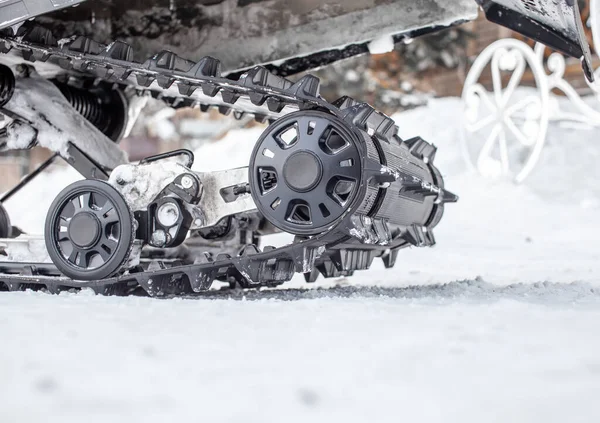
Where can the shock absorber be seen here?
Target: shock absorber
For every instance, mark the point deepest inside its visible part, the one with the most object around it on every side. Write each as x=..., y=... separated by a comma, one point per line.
x=102, y=106
x=106, y=109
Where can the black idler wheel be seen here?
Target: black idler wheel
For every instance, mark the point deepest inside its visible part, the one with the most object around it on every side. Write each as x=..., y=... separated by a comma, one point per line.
x=305, y=172
x=89, y=231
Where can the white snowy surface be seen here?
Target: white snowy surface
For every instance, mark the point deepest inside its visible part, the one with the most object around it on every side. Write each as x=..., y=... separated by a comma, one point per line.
x=499, y=322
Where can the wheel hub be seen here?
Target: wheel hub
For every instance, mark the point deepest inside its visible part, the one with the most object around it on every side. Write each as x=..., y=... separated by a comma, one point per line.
x=306, y=172
x=84, y=230
x=302, y=171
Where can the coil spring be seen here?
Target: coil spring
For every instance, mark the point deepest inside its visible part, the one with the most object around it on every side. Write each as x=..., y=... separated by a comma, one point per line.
x=7, y=85
x=103, y=110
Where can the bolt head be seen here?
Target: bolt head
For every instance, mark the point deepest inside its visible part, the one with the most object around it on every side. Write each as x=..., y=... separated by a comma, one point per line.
x=159, y=238
x=187, y=182
x=168, y=214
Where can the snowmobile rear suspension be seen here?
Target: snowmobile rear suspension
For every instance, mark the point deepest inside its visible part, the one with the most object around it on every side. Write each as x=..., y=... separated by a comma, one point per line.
x=335, y=175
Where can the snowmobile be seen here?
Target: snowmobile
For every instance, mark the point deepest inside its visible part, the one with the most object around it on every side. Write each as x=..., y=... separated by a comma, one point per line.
x=335, y=175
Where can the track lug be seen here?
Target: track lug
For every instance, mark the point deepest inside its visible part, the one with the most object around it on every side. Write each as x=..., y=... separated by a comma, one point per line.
x=229, y=96
x=164, y=82
x=345, y=102
x=151, y=285
x=186, y=89
x=312, y=276
x=389, y=259
x=419, y=236
x=304, y=259
x=259, y=76
x=13, y=287
x=421, y=149
x=39, y=35
x=121, y=72
x=144, y=80
x=200, y=280
x=261, y=118
x=210, y=90
x=258, y=99
x=85, y=45
x=118, y=50
x=275, y=105
x=207, y=66
x=168, y=60
x=223, y=257
x=308, y=86
x=350, y=260
x=225, y=110
x=328, y=270
x=374, y=123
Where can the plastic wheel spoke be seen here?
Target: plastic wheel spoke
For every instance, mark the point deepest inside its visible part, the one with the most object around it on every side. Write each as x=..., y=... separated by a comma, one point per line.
x=76, y=204
x=110, y=244
x=84, y=259
x=306, y=129
x=332, y=204
x=103, y=253
x=346, y=172
x=73, y=256
x=63, y=236
x=109, y=219
x=281, y=210
x=86, y=201
x=107, y=207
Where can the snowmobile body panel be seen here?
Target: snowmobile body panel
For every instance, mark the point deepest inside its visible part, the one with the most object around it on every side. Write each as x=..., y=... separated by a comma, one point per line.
x=555, y=23
x=295, y=36
x=13, y=12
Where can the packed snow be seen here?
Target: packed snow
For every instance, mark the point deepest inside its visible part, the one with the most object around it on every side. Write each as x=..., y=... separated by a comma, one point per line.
x=499, y=322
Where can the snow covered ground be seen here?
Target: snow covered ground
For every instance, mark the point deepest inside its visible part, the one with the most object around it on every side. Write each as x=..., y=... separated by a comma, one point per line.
x=499, y=322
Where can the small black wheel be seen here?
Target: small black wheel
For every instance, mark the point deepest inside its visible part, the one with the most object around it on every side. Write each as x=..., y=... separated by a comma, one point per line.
x=306, y=172
x=89, y=231
x=5, y=226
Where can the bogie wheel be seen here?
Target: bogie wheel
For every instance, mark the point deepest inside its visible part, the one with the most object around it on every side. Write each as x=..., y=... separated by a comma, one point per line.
x=505, y=129
x=306, y=172
x=89, y=231
x=5, y=226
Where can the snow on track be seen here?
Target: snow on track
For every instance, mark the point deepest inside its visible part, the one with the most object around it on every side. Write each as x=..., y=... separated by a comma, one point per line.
x=499, y=322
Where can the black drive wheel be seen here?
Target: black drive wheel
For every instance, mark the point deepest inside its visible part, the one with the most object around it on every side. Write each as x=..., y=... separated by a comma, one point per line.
x=89, y=231
x=305, y=172
x=5, y=226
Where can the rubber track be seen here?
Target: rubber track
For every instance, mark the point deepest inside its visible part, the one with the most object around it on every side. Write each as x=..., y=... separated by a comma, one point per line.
x=180, y=82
